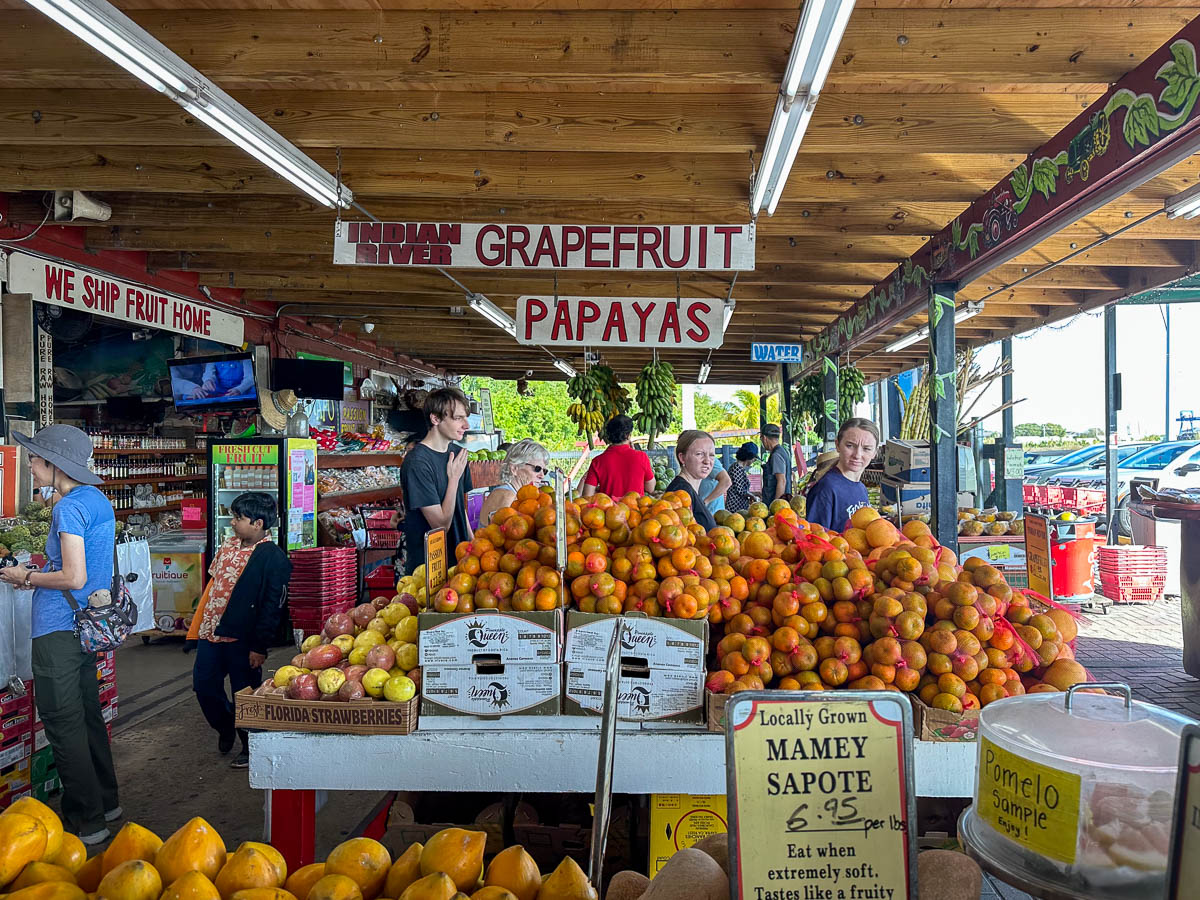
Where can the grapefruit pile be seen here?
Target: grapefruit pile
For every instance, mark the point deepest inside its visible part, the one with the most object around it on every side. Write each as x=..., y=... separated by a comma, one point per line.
x=38, y=861
x=792, y=605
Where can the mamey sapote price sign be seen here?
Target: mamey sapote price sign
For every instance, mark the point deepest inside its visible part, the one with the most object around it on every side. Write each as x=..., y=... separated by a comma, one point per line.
x=820, y=796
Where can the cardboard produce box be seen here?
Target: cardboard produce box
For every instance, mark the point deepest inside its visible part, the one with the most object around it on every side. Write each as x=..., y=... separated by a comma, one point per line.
x=463, y=639
x=489, y=691
x=909, y=461
x=931, y=724
x=325, y=717
x=915, y=498
x=662, y=667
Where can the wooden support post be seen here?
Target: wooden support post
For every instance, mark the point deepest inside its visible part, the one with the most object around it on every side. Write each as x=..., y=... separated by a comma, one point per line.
x=828, y=427
x=1112, y=404
x=943, y=401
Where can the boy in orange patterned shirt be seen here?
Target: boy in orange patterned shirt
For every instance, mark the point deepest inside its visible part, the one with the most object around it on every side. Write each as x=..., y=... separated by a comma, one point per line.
x=237, y=624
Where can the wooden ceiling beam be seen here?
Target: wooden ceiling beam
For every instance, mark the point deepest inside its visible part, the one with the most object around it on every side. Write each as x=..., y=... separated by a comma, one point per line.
x=722, y=48
x=429, y=121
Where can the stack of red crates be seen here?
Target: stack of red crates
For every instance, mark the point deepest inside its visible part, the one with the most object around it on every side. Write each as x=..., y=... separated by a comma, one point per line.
x=381, y=535
x=324, y=582
x=1131, y=574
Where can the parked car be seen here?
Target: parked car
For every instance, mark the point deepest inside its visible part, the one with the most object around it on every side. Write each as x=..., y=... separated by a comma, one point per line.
x=1080, y=459
x=1166, y=464
x=1044, y=455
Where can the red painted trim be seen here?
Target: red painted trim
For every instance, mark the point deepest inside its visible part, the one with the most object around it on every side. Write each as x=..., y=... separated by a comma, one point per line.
x=293, y=826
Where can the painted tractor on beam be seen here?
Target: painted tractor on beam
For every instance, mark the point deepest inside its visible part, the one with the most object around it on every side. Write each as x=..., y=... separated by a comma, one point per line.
x=1091, y=142
x=999, y=217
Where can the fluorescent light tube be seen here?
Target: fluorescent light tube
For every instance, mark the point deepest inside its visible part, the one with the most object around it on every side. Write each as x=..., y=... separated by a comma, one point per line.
x=822, y=24
x=492, y=313
x=565, y=367
x=971, y=309
x=728, y=314
x=705, y=369
x=105, y=28
x=1185, y=205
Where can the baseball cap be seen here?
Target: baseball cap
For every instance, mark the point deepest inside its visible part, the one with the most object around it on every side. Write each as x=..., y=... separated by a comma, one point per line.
x=771, y=430
x=749, y=449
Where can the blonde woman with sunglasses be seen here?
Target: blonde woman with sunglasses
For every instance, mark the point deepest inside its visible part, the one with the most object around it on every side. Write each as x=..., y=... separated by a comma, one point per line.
x=525, y=463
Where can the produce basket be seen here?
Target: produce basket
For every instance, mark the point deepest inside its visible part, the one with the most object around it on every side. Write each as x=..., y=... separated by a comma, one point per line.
x=1130, y=574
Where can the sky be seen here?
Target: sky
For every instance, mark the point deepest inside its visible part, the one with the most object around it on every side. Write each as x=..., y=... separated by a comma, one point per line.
x=1059, y=370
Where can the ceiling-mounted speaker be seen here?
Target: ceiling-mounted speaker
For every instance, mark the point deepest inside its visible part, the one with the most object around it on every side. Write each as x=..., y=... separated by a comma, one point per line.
x=70, y=206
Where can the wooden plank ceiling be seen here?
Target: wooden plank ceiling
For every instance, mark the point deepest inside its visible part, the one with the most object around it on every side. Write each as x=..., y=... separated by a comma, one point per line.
x=621, y=111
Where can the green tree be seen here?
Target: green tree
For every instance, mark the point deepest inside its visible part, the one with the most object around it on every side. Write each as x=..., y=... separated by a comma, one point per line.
x=541, y=416
x=743, y=413
x=710, y=411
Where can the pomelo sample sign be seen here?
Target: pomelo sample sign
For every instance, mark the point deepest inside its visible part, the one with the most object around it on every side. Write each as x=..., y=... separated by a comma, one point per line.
x=74, y=287
x=821, y=796
x=549, y=321
x=499, y=245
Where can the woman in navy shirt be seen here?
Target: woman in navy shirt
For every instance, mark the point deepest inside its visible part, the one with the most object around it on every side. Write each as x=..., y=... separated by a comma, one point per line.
x=837, y=489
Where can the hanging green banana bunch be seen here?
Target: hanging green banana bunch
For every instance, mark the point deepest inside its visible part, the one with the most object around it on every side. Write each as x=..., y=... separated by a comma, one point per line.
x=655, y=393
x=850, y=391
x=614, y=398
x=587, y=412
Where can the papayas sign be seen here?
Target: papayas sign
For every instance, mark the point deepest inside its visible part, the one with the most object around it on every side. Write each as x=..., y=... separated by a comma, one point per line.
x=687, y=322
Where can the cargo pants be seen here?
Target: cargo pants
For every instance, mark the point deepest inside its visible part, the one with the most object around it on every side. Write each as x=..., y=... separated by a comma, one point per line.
x=67, y=694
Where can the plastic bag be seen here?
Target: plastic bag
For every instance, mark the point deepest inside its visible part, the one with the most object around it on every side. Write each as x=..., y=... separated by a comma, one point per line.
x=133, y=558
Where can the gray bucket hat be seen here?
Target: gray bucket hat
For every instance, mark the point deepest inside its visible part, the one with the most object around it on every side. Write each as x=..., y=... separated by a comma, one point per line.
x=65, y=447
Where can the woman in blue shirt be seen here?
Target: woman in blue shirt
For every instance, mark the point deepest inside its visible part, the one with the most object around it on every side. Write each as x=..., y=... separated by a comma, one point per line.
x=80, y=549
x=837, y=490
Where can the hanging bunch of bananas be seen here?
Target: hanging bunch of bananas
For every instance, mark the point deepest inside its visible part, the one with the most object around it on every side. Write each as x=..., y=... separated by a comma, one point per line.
x=850, y=391
x=655, y=391
x=615, y=398
x=591, y=401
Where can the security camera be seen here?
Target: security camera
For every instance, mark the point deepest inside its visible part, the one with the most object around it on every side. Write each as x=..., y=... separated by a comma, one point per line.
x=368, y=327
x=70, y=206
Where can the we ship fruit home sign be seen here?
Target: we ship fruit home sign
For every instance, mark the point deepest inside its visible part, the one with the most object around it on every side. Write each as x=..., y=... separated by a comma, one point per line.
x=495, y=245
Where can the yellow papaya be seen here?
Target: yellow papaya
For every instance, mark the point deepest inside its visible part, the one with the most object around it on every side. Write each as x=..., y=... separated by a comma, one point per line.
x=48, y=817
x=195, y=847
x=22, y=841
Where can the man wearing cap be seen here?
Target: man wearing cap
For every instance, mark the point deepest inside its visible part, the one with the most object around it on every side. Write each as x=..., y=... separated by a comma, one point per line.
x=777, y=470
x=80, y=548
x=738, y=498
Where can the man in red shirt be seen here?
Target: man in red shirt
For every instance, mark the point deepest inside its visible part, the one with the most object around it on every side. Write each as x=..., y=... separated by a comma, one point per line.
x=620, y=469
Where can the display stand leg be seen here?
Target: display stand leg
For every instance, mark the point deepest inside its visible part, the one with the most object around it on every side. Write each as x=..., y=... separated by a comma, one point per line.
x=292, y=826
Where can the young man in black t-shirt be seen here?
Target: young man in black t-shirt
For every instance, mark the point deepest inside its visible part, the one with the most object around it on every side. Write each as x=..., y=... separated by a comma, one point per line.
x=435, y=478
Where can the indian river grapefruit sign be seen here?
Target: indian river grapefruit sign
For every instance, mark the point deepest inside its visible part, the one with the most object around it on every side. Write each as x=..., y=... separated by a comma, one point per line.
x=821, y=796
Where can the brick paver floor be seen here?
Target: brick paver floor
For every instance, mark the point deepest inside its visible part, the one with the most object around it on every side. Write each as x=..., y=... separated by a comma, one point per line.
x=1141, y=645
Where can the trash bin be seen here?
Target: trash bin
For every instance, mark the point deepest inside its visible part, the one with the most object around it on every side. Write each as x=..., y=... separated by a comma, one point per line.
x=1061, y=555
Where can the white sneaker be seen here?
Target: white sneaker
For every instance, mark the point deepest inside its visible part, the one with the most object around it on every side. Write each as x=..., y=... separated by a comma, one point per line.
x=96, y=837
x=113, y=814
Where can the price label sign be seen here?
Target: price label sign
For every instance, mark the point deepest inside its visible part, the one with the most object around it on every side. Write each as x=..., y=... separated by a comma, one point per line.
x=999, y=551
x=1037, y=554
x=435, y=561
x=1014, y=463
x=1184, y=868
x=821, y=797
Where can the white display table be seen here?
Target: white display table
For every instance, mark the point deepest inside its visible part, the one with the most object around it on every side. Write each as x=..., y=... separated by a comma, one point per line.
x=291, y=766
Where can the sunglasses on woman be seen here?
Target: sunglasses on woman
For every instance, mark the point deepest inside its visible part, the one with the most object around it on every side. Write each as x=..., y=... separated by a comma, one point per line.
x=540, y=470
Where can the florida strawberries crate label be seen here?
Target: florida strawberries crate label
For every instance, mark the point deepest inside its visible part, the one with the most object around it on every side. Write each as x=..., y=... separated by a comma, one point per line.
x=643, y=695
x=529, y=688
x=355, y=717
x=1032, y=805
x=449, y=639
x=1184, y=868
x=495, y=245
x=821, y=797
x=677, y=643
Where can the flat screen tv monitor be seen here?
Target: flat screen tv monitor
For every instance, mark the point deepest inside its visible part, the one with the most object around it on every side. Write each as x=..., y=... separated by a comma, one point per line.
x=204, y=383
x=311, y=379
